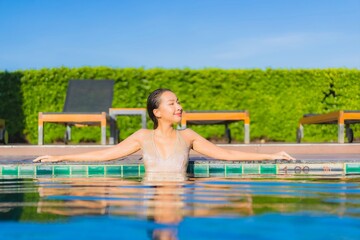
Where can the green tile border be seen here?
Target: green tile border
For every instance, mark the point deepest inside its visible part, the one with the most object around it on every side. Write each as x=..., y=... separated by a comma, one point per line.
x=62, y=170
x=202, y=169
x=27, y=170
x=10, y=170
x=79, y=170
x=233, y=169
x=217, y=170
x=43, y=170
x=95, y=170
x=268, y=169
x=130, y=170
x=113, y=170
x=352, y=168
x=142, y=169
x=251, y=168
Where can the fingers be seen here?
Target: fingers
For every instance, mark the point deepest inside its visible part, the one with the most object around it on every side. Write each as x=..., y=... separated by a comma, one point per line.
x=39, y=159
x=45, y=158
x=285, y=156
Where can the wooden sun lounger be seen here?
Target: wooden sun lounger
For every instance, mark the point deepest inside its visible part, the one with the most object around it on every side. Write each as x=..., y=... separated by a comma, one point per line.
x=95, y=119
x=218, y=117
x=342, y=118
x=87, y=103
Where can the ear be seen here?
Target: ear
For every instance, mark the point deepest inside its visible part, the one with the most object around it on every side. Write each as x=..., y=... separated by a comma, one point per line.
x=157, y=113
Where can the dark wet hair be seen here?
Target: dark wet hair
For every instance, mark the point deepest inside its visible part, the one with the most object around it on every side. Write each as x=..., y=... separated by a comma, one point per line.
x=153, y=102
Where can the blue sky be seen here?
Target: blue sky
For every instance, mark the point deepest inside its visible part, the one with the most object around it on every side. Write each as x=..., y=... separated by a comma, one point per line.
x=180, y=33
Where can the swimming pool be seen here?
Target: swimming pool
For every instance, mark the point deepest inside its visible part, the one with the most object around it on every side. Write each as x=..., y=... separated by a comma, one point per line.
x=238, y=207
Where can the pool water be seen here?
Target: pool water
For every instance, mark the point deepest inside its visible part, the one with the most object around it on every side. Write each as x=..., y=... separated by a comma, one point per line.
x=196, y=208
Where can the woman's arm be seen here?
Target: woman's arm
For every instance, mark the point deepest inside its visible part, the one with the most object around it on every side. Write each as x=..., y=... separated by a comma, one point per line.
x=125, y=148
x=207, y=148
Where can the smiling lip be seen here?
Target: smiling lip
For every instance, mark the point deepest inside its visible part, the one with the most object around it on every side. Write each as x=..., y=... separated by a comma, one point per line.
x=178, y=114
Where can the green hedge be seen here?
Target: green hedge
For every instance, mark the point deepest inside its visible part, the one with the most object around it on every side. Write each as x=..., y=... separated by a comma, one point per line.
x=275, y=98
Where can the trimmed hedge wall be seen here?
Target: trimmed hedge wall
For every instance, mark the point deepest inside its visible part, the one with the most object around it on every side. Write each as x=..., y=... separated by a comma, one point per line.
x=275, y=98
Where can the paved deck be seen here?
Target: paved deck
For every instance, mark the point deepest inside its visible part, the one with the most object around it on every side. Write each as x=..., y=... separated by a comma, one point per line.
x=306, y=152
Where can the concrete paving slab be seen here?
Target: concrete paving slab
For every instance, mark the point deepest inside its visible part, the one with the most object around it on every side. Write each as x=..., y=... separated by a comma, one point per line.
x=305, y=152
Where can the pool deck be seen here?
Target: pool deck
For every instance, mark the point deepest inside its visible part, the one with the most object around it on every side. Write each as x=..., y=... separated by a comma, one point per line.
x=312, y=152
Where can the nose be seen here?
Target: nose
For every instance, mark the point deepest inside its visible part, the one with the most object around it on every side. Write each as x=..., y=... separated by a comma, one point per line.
x=179, y=107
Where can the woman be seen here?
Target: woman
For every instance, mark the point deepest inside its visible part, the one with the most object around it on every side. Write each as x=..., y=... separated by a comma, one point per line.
x=165, y=149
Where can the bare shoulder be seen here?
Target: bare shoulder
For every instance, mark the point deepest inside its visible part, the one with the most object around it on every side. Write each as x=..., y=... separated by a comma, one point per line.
x=195, y=140
x=136, y=139
x=141, y=133
x=189, y=134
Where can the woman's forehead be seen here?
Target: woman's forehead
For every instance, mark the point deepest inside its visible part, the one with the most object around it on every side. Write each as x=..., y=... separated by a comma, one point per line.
x=168, y=96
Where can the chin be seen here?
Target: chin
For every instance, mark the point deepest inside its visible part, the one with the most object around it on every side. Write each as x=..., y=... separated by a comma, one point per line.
x=177, y=120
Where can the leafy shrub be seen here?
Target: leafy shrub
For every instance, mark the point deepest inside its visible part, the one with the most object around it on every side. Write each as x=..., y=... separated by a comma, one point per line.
x=275, y=98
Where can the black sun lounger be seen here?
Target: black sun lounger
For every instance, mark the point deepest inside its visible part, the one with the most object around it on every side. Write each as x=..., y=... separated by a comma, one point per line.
x=87, y=103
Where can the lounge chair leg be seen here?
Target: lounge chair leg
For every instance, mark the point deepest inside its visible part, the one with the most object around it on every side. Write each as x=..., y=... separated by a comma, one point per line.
x=299, y=133
x=40, y=132
x=4, y=136
x=228, y=133
x=341, y=133
x=40, y=135
x=113, y=129
x=349, y=133
x=143, y=120
x=67, y=135
x=247, y=133
x=103, y=135
x=117, y=136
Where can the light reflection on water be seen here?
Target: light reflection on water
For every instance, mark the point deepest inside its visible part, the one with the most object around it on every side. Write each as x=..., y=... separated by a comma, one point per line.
x=170, y=205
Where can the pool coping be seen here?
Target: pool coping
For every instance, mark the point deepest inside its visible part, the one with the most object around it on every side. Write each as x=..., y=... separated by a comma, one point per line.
x=312, y=160
x=302, y=148
x=197, y=168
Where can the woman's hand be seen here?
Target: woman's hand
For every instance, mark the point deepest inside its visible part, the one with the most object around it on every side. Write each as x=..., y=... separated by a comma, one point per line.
x=281, y=155
x=48, y=158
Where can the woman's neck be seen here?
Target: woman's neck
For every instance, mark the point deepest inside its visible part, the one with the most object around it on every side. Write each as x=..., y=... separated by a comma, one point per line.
x=164, y=130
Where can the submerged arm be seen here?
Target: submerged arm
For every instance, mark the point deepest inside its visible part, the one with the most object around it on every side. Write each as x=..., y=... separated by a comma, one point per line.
x=125, y=148
x=207, y=148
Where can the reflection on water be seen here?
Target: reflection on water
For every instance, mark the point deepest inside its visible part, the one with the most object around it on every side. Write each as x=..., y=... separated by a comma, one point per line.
x=168, y=200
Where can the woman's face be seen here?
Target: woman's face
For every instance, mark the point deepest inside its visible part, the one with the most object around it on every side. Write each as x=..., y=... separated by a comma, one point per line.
x=169, y=109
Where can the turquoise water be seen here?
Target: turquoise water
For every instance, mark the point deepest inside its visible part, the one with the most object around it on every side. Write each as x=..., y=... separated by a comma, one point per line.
x=197, y=208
